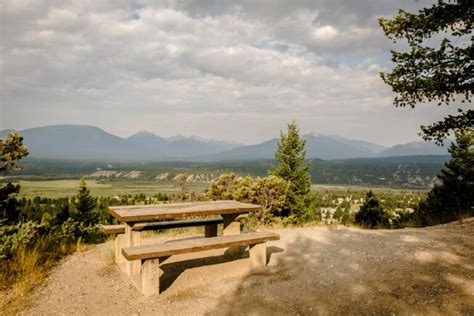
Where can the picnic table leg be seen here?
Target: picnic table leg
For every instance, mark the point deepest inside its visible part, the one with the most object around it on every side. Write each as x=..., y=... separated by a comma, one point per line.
x=210, y=230
x=151, y=273
x=231, y=224
x=132, y=238
x=119, y=242
x=258, y=256
x=232, y=227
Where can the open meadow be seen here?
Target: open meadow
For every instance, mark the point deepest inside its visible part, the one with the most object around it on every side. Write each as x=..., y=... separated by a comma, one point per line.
x=106, y=188
x=64, y=188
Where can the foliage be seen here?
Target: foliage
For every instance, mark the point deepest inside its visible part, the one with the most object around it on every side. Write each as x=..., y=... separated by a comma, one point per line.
x=84, y=204
x=371, y=214
x=222, y=188
x=406, y=172
x=425, y=73
x=343, y=213
x=12, y=149
x=290, y=154
x=8, y=203
x=43, y=230
x=269, y=192
x=181, y=179
x=453, y=198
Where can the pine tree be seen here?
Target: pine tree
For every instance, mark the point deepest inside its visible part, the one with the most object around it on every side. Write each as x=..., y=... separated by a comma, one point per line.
x=431, y=72
x=84, y=204
x=12, y=150
x=371, y=213
x=290, y=154
x=453, y=198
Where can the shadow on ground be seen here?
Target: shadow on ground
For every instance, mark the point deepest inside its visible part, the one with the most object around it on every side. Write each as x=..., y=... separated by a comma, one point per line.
x=171, y=271
x=351, y=271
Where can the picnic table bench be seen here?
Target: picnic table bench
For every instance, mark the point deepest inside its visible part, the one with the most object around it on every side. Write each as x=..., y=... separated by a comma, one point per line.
x=142, y=262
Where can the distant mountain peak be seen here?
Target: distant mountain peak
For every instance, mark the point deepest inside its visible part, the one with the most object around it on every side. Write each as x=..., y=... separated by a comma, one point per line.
x=416, y=148
x=147, y=138
x=184, y=137
x=91, y=142
x=143, y=133
x=315, y=134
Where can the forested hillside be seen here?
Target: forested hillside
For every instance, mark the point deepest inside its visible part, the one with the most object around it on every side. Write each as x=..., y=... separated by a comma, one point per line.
x=410, y=171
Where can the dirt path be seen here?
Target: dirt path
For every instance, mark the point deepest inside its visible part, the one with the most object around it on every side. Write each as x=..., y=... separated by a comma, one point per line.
x=311, y=271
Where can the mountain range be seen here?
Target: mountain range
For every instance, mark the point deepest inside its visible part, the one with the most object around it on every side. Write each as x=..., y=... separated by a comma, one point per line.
x=92, y=143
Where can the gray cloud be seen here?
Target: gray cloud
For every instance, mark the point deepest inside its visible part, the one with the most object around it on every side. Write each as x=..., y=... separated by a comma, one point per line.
x=236, y=72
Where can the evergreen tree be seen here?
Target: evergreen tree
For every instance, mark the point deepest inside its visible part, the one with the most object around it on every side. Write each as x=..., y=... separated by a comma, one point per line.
x=371, y=213
x=84, y=205
x=428, y=73
x=290, y=154
x=453, y=198
x=12, y=150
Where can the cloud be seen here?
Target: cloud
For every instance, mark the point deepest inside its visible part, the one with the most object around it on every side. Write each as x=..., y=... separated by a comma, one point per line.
x=236, y=71
x=326, y=32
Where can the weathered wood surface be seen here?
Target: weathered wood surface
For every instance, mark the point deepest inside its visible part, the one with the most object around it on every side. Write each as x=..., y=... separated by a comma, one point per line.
x=132, y=239
x=148, y=213
x=177, y=224
x=112, y=229
x=120, y=229
x=196, y=245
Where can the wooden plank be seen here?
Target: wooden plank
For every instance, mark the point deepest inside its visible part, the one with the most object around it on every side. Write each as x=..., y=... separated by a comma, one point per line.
x=120, y=229
x=196, y=245
x=112, y=229
x=147, y=213
x=177, y=224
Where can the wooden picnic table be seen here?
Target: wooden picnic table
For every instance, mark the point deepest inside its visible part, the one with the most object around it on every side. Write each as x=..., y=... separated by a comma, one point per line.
x=231, y=211
x=148, y=213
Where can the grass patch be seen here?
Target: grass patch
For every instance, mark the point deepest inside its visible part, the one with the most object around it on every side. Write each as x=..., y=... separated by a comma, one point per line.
x=63, y=188
x=27, y=270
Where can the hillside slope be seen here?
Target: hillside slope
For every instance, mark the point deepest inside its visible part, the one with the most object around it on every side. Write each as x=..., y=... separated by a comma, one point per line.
x=90, y=142
x=87, y=142
x=314, y=270
x=409, y=171
x=415, y=148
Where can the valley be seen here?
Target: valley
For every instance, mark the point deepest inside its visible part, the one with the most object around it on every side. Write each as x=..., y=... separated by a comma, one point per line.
x=86, y=142
x=409, y=172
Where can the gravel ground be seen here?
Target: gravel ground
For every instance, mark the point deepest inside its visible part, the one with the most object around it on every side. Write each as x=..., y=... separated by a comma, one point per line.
x=311, y=271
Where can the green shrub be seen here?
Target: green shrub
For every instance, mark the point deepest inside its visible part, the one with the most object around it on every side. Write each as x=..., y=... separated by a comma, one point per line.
x=19, y=236
x=269, y=192
x=371, y=214
x=453, y=199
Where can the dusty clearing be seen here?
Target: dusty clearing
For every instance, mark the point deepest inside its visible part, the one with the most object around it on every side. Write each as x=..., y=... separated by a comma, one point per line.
x=311, y=271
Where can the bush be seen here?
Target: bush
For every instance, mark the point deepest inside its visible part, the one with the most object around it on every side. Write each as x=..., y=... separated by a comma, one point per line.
x=371, y=214
x=269, y=192
x=453, y=199
x=16, y=237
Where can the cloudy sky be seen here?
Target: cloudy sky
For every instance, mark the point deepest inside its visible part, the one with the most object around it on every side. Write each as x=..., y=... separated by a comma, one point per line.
x=232, y=70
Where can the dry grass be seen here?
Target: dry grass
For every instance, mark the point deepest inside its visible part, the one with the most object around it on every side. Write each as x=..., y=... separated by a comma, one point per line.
x=27, y=270
x=110, y=258
x=81, y=246
x=18, y=278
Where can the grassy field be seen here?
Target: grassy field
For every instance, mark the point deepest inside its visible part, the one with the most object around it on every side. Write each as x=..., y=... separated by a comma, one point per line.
x=62, y=188
x=374, y=188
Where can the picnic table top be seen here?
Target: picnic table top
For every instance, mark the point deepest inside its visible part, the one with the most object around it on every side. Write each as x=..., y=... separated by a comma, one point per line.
x=151, y=212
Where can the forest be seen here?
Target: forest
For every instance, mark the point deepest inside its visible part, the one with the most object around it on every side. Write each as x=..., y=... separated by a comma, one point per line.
x=411, y=172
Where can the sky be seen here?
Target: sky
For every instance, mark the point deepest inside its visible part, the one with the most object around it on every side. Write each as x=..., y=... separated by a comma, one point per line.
x=229, y=70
